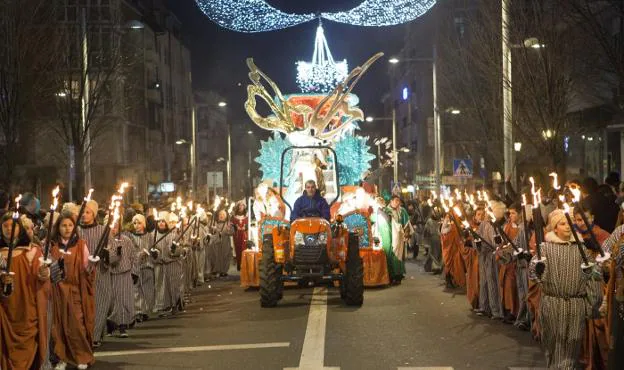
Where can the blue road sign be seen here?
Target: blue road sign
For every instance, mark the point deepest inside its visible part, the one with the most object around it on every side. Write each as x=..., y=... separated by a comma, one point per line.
x=462, y=167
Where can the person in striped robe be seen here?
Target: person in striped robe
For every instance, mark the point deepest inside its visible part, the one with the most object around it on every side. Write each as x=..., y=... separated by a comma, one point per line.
x=168, y=271
x=199, y=252
x=144, y=290
x=123, y=274
x=490, y=303
x=569, y=294
x=91, y=232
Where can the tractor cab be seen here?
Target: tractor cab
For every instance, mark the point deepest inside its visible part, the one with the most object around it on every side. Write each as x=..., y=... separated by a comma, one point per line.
x=311, y=249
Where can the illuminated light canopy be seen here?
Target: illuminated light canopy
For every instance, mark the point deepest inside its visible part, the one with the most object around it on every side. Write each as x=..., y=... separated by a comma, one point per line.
x=259, y=16
x=322, y=74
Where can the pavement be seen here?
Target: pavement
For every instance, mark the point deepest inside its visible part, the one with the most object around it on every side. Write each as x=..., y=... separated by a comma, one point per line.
x=414, y=326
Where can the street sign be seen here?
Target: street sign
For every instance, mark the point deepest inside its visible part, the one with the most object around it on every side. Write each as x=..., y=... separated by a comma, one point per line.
x=462, y=168
x=214, y=179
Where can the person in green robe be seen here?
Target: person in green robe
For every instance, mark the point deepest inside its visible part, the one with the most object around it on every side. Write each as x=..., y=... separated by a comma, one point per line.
x=395, y=250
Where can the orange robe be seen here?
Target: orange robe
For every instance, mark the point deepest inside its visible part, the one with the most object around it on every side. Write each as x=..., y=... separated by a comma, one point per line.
x=595, y=351
x=507, y=278
x=25, y=311
x=451, y=255
x=471, y=262
x=74, y=307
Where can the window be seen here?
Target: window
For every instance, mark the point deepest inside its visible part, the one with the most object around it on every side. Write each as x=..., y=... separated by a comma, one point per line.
x=460, y=26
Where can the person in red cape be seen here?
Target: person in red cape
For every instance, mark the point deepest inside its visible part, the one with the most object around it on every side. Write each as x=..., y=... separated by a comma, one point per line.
x=239, y=223
x=74, y=297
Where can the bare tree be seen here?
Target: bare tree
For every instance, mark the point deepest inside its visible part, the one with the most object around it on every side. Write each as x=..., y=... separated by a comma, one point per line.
x=547, y=68
x=89, y=80
x=26, y=41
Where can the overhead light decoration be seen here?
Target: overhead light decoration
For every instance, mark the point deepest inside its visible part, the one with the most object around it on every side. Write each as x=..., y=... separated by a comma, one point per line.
x=259, y=16
x=322, y=74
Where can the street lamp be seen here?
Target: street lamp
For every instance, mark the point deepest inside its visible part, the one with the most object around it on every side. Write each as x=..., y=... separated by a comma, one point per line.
x=517, y=146
x=191, y=145
x=379, y=142
x=223, y=104
x=437, y=140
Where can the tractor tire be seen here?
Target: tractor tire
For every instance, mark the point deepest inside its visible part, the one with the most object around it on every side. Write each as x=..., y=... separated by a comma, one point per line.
x=353, y=281
x=271, y=287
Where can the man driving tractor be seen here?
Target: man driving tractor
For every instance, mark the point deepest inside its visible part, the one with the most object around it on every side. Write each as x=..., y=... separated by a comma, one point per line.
x=310, y=203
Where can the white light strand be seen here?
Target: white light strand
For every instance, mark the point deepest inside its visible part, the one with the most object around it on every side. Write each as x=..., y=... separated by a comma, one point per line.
x=250, y=15
x=378, y=13
x=259, y=16
x=323, y=73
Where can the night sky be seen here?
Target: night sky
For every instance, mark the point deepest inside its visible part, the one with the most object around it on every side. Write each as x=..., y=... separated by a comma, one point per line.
x=218, y=54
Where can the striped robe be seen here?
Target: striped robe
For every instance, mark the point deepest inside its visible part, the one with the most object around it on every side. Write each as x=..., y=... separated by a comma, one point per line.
x=121, y=276
x=522, y=282
x=200, y=253
x=103, y=283
x=489, y=295
x=566, y=292
x=144, y=292
x=171, y=273
x=220, y=249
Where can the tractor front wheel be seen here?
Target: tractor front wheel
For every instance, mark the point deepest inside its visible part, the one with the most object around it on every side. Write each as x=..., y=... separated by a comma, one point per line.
x=271, y=287
x=352, y=285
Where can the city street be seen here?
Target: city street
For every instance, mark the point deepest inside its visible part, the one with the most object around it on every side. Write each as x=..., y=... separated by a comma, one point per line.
x=416, y=325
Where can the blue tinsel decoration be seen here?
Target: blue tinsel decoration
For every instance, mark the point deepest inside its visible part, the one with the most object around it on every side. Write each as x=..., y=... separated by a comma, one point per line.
x=270, y=156
x=353, y=159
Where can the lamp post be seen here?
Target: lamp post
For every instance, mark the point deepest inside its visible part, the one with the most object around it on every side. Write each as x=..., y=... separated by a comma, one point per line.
x=223, y=105
x=437, y=141
x=379, y=142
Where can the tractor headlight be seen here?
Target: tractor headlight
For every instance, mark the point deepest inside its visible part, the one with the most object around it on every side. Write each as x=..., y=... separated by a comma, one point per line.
x=298, y=238
x=322, y=238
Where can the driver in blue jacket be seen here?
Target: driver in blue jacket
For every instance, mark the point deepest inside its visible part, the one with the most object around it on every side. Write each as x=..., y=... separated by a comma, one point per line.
x=310, y=203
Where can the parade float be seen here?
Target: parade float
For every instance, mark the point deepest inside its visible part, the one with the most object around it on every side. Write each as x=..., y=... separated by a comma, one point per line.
x=324, y=114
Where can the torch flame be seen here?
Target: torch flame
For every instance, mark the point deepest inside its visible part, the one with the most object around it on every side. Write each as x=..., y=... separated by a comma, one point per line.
x=491, y=214
x=429, y=202
x=576, y=192
x=179, y=202
x=55, y=192
x=155, y=214
x=189, y=205
x=217, y=203
x=122, y=187
x=88, y=198
x=231, y=207
x=17, y=200
x=457, y=195
x=479, y=196
x=466, y=224
x=532, y=181
x=566, y=208
x=434, y=195
x=524, y=201
x=457, y=211
x=115, y=217
x=555, y=182
x=486, y=197
x=173, y=207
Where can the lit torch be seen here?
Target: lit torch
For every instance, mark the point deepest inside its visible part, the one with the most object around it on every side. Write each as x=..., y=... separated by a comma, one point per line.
x=46, y=251
x=586, y=265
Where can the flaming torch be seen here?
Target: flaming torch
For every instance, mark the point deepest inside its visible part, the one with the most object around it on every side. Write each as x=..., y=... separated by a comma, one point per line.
x=73, y=237
x=586, y=265
x=604, y=256
x=8, y=287
x=538, y=222
x=46, y=251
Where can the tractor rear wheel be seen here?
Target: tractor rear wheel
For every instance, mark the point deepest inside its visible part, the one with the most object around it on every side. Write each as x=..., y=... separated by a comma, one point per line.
x=353, y=280
x=271, y=287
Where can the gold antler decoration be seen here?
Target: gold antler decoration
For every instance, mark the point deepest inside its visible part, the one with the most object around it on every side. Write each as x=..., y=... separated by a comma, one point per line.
x=284, y=111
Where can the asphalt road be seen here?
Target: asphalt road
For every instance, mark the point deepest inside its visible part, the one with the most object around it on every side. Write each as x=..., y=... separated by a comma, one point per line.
x=416, y=325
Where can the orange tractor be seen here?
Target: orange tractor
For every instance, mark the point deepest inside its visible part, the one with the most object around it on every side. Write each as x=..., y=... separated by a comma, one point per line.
x=311, y=249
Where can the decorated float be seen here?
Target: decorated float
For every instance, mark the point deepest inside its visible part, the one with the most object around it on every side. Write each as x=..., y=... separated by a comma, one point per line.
x=325, y=113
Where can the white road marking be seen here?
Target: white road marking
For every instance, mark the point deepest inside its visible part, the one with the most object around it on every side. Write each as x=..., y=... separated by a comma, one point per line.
x=224, y=347
x=313, y=352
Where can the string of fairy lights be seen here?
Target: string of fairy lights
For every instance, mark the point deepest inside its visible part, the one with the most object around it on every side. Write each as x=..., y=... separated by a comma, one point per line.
x=259, y=16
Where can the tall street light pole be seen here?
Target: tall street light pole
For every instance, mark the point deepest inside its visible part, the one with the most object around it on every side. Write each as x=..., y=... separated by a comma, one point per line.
x=508, y=149
x=437, y=132
x=84, y=113
x=395, y=154
x=194, y=151
x=223, y=105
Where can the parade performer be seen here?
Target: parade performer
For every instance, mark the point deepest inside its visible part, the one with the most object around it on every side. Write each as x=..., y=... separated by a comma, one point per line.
x=239, y=223
x=454, y=269
x=91, y=232
x=568, y=294
x=395, y=250
x=595, y=349
x=25, y=309
x=507, y=278
x=123, y=275
x=73, y=297
x=489, y=295
x=144, y=289
x=161, y=238
x=431, y=235
x=471, y=261
x=200, y=246
x=171, y=267
x=220, y=244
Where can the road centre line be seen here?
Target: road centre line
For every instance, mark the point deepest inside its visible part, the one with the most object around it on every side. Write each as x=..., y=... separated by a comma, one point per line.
x=224, y=347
